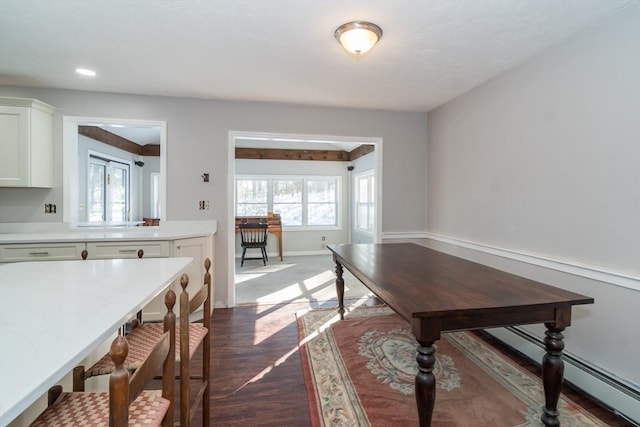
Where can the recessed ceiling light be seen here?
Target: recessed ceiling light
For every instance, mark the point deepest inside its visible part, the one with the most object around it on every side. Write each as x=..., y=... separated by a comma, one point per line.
x=85, y=72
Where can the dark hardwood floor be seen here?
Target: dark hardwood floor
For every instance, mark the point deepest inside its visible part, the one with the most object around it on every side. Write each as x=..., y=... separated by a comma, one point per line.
x=257, y=375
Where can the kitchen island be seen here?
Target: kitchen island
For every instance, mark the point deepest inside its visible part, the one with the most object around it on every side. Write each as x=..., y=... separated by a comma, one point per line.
x=54, y=313
x=20, y=242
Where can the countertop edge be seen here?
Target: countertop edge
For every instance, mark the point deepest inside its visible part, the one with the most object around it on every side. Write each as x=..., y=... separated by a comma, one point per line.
x=171, y=230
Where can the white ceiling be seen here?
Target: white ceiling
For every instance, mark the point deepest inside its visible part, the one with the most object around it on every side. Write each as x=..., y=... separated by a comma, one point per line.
x=283, y=50
x=141, y=135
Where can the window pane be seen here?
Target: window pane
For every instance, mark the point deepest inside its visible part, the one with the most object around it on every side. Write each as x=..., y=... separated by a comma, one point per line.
x=371, y=217
x=362, y=216
x=251, y=209
x=155, y=194
x=321, y=214
x=95, y=208
x=287, y=191
x=371, y=189
x=118, y=195
x=291, y=213
x=363, y=193
x=321, y=190
x=251, y=191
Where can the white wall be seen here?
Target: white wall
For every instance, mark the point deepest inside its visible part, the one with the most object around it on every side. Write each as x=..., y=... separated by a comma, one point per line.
x=298, y=242
x=544, y=160
x=198, y=142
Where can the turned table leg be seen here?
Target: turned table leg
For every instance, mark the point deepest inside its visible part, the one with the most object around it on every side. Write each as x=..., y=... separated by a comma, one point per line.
x=340, y=289
x=552, y=374
x=425, y=382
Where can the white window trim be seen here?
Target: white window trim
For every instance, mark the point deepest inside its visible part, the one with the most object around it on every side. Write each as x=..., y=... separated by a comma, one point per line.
x=271, y=178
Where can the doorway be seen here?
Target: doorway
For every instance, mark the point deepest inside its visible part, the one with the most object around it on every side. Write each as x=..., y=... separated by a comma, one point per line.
x=271, y=140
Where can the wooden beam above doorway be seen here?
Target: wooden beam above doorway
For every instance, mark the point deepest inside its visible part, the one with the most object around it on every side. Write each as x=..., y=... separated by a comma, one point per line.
x=109, y=138
x=317, y=155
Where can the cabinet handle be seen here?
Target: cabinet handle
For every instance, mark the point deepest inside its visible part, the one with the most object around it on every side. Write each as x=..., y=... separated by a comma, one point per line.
x=127, y=251
x=39, y=253
x=178, y=247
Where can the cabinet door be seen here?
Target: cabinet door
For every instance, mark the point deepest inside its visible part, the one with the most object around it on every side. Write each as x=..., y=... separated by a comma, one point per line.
x=14, y=146
x=26, y=143
x=197, y=248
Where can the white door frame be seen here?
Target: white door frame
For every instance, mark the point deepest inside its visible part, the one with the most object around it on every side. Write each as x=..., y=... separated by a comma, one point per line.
x=329, y=139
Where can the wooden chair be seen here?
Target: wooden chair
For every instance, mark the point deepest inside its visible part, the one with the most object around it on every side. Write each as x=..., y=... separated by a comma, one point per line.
x=189, y=337
x=253, y=235
x=193, y=336
x=127, y=402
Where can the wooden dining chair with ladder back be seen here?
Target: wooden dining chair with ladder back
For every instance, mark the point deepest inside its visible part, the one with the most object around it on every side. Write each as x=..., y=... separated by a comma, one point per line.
x=128, y=401
x=189, y=337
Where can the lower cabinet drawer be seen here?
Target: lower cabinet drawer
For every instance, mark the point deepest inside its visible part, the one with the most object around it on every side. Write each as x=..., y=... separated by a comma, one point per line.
x=41, y=252
x=108, y=250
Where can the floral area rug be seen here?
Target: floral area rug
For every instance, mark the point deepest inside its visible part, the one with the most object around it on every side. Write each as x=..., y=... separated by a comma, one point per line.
x=360, y=372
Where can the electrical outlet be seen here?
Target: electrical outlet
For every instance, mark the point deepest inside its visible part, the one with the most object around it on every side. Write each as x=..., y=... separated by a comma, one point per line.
x=323, y=245
x=323, y=238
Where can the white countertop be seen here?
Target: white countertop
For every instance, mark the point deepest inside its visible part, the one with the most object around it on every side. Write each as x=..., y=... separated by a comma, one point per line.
x=60, y=232
x=54, y=313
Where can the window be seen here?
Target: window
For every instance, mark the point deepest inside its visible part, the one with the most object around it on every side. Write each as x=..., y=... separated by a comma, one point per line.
x=251, y=197
x=300, y=201
x=154, y=194
x=287, y=200
x=107, y=190
x=321, y=202
x=364, y=193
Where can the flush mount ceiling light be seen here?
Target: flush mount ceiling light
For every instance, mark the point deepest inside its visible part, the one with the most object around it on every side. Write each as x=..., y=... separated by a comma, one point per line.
x=86, y=72
x=358, y=37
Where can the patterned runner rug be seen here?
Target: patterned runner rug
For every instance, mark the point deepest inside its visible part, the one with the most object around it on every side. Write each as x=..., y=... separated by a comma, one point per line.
x=360, y=372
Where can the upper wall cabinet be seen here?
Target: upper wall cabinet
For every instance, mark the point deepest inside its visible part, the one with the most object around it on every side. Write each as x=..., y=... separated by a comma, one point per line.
x=26, y=143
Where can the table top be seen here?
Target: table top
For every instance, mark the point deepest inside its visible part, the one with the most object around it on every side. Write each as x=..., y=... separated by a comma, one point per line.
x=54, y=313
x=418, y=282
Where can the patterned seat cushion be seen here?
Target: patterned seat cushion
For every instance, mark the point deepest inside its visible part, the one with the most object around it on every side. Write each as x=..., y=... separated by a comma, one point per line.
x=92, y=410
x=141, y=341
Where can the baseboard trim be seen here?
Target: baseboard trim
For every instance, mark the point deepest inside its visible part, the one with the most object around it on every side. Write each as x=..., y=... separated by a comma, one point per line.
x=276, y=255
x=611, y=391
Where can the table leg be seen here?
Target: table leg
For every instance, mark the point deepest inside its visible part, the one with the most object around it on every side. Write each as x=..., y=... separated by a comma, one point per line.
x=280, y=246
x=552, y=374
x=340, y=289
x=425, y=382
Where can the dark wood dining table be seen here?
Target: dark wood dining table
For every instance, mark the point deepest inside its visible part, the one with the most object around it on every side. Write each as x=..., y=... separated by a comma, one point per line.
x=437, y=292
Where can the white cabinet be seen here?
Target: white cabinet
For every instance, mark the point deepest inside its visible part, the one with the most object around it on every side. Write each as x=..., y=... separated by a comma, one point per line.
x=109, y=250
x=197, y=248
x=26, y=143
x=41, y=252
